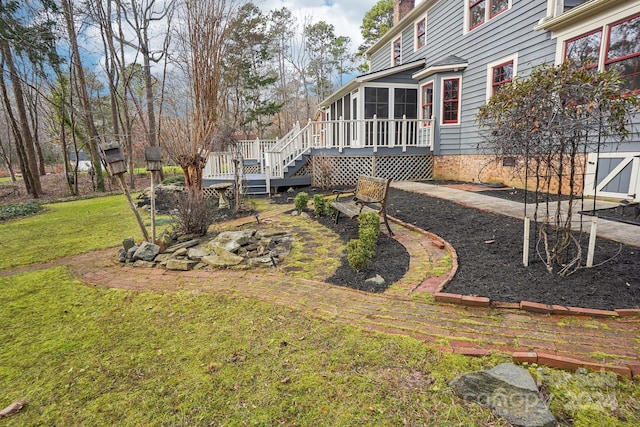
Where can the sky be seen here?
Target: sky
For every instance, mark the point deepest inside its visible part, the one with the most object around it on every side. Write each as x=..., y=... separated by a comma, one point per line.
x=345, y=15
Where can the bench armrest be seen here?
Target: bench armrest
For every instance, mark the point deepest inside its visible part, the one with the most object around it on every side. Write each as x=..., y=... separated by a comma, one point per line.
x=366, y=202
x=339, y=193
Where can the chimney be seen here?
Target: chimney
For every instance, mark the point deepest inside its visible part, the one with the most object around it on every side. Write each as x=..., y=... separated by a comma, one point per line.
x=401, y=8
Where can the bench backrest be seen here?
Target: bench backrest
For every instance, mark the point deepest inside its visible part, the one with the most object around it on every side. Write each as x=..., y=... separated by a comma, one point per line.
x=372, y=189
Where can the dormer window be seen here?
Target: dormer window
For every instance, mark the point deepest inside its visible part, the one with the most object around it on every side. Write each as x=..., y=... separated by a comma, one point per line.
x=421, y=33
x=480, y=11
x=397, y=52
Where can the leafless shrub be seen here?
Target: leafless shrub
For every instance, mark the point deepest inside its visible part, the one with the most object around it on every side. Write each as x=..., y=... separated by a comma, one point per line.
x=322, y=171
x=194, y=212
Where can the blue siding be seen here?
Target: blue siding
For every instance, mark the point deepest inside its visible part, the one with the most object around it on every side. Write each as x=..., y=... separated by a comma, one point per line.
x=507, y=34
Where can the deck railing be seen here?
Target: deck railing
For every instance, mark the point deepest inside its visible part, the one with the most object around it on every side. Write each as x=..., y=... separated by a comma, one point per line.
x=272, y=157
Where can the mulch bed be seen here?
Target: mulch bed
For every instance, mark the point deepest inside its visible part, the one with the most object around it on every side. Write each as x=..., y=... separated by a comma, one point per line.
x=489, y=248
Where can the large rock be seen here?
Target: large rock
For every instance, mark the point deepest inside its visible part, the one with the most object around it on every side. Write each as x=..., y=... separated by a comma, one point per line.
x=128, y=243
x=146, y=252
x=196, y=253
x=280, y=247
x=222, y=258
x=232, y=240
x=180, y=264
x=182, y=245
x=509, y=391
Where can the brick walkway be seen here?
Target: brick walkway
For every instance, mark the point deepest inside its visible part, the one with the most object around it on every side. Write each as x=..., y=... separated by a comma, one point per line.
x=555, y=340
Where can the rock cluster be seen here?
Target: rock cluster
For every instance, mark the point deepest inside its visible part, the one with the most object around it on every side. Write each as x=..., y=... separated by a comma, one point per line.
x=230, y=249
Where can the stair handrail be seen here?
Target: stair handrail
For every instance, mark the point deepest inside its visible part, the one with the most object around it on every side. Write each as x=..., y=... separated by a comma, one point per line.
x=285, y=139
x=290, y=148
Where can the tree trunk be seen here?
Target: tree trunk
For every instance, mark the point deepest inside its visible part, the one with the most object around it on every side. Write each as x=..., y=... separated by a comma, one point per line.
x=81, y=88
x=30, y=168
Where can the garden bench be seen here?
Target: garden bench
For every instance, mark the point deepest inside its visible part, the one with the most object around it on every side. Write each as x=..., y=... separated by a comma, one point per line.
x=370, y=195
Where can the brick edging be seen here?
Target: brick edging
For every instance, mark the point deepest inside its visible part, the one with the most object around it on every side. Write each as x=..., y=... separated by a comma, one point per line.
x=629, y=370
x=533, y=307
x=437, y=240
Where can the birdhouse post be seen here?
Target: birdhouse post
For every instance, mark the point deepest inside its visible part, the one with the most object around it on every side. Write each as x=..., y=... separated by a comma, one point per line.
x=114, y=158
x=153, y=156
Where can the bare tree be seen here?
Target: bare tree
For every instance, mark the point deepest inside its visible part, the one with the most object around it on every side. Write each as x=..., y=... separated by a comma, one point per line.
x=141, y=15
x=81, y=88
x=188, y=138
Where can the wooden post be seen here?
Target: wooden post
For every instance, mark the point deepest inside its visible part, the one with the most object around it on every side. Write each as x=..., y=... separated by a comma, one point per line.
x=592, y=241
x=153, y=209
x=525, y=246
x=133, y=206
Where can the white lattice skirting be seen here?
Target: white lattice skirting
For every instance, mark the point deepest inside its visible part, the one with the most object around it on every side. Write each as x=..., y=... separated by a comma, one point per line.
x=344, y=170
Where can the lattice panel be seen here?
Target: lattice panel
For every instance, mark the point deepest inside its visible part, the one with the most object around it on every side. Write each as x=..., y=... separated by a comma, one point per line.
x=305, y=170
x=209, y=192
x=405, y=168
x=251, y=168
x=344, y=170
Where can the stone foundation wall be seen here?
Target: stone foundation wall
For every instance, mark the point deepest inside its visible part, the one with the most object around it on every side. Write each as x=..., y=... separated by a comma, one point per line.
x=508, y=171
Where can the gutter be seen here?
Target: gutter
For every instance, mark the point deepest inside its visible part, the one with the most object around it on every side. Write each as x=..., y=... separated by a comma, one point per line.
x=578, y=13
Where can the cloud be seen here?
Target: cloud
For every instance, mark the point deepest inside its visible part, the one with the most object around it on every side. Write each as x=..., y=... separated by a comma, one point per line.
x=345, y=15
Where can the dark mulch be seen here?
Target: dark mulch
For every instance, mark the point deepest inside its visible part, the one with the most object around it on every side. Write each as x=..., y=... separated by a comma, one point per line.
x=391, y=260
x=489, y=249
x=626, y=214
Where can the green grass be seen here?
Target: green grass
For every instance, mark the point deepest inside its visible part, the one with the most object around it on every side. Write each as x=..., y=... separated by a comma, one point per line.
x=93, y=356
x=67, y=229
x=166, y=170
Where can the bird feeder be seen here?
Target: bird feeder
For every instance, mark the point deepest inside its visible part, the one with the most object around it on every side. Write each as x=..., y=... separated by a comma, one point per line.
x=153, y=156
x=114, y=158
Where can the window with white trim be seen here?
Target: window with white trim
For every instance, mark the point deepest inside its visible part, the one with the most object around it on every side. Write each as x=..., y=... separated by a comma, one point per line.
x=451, y=101
x=396, y=52
x=426, y=100
x=421, y=33
x=501, y=75
x=480, y=11
x=501, y=72
x=584, y=50
x=623, y=51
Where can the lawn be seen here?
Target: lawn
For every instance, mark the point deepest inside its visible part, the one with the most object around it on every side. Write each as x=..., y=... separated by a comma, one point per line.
x=91, y=356
x=67, y=229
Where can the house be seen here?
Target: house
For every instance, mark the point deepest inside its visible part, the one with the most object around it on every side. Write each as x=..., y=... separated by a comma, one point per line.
x=412, y=117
